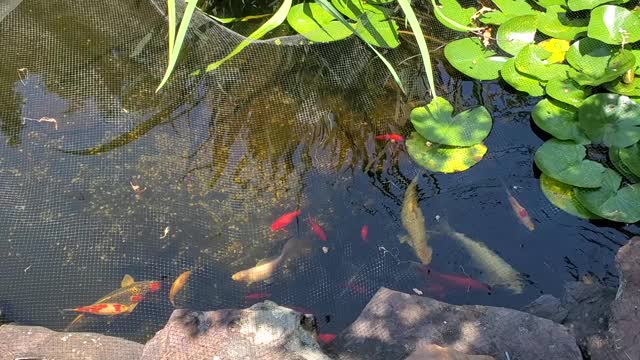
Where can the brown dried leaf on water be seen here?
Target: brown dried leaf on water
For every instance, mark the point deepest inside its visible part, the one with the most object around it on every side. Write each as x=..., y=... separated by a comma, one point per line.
x=137, y=188
x=23, y=74
x=483, y=9
x=487, y=36
x=417, y=291
x=43, y=119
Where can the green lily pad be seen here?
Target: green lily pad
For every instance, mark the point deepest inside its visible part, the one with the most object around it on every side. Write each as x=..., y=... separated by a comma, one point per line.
x=471, y=58
x=355, y=9
x=532, y=60
x=610, y=201
x=378, y=30
x=453, y=11
x=517, y=33
x=435, y=123
x=442, y=158
x=567, y=91
x=562, y=196
x=549, y=3
x=555, y=23
x=614, y=25
x=520, y=81
x=577, y=5
x=508, y=9
x=315, y=23
x=565, y=162
x=559, y=120
x=610, y=119
x=619, y=87
x=630, y=157
x=596, y=62
x=614, y=157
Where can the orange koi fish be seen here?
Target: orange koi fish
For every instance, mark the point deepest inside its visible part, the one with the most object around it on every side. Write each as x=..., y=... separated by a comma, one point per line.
x=264, y=269
x=520, y=211
x=108, y=309
x=284, y=220
x=130, y=293
x=178, y=285
x=317, y=229
x=394, y=138
x=364, y=233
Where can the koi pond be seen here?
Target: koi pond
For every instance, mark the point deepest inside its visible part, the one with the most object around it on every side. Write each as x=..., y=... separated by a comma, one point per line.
x=298, y=153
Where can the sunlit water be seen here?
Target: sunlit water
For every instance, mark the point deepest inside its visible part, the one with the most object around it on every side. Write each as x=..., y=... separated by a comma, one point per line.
x=217, y=173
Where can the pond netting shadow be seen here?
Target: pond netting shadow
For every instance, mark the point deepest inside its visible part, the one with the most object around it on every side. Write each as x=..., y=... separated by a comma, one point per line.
x=102, y=177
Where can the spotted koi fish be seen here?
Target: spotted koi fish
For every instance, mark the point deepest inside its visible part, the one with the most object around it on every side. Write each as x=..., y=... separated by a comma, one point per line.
x=108, y=309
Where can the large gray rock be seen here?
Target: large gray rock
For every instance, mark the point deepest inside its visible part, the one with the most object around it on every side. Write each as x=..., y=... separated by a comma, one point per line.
x=393, y=323
x=425, y=351
x=548, y=307
x=265, y=331
x=36, y=342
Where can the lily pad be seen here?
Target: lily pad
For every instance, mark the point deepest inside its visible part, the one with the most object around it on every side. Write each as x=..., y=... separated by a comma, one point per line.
x=562, y=196
x=559, y=120
x=577, y=5
x=508, y=9
x=630, y=157
x=614, y=157
x=614, y=25
x=596, y=62
x=532, y=60
x=453, y=11
x=441, y=158
x=557, y=47
x=610, y=201
x=517, y=33
x=565, y=162
x=355, y=9
x=315, y=23
x=519, y=80
x=548, y=3
x=471, y=58
x=610, y=119
x=567, y=91
x=378, y=30
x=555, y=23
x=619, y=87
x=435, y=123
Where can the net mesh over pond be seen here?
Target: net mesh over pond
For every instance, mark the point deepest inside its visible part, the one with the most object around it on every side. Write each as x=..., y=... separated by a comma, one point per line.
x=216, y=158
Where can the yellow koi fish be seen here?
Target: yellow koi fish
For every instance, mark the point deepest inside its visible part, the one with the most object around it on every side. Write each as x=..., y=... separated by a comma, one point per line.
x=413, y=221
x=178, y=285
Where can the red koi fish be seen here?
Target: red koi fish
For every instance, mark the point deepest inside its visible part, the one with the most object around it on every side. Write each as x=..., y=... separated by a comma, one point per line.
x=364, y=233
x=436, y=290
x=394, y=138
x=284, y=220
x=459, y=281
x=257, y=296
x=325, y=339
x=108, y=309
x=521, y=212
x=317, y=229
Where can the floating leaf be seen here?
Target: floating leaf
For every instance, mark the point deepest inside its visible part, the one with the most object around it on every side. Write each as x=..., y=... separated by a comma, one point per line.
x=619, y=87
x=315, y=23
x=610, y=119
x=355, y=9
x=614, y=25
x=450, y=11
x=378, y=30
x=556, y=24
x=517, y=33
x=562, y=196
x=567, y=91
x=508, y=10
x=614, y=157
x=441, y=158
x=532, y=60
x=559, y=120
x=577, y=5
x=596, y=62
x=630, y=157
x=435, y=123
x=557, y=47
x=520, y=81
x=472, y=59
x=564, y=161
x=611, y=202
x=548, y=3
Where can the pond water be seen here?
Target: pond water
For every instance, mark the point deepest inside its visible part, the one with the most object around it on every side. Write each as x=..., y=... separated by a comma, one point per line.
x=221, y=157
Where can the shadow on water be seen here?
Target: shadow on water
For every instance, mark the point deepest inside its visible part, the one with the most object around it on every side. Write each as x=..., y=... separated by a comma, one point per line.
x=222, y=156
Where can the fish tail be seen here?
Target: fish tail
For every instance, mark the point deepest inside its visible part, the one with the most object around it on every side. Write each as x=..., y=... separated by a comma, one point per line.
x=75, y=321
x=444, y=225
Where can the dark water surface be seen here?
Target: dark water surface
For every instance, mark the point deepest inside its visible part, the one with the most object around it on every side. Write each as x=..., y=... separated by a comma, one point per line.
x=222, y=158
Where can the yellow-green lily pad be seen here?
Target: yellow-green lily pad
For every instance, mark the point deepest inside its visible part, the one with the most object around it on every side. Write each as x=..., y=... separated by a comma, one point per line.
x=442, y=158
x=561, y=195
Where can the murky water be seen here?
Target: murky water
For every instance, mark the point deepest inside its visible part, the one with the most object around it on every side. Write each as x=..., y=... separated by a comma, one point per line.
x=220, y=161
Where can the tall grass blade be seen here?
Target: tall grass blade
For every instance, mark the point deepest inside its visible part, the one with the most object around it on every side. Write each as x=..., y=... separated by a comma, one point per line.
x=173, y=19
x=336, y=14
x=238, y=19
x=422, y=44
x=273, y=22
x=179, y=39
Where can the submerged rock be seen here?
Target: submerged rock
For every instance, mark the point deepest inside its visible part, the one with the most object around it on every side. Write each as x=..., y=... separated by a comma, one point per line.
x=393, y=323
x=548, y=307
x=264, y=331
x=36, y=342
x=426, y=351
